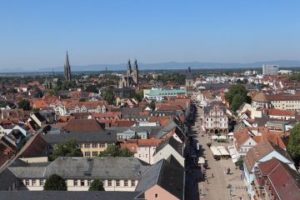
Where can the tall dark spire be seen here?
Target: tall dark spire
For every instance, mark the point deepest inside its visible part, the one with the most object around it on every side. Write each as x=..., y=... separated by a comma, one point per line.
x=129, y=65
x=67, y=68
x=136, y=66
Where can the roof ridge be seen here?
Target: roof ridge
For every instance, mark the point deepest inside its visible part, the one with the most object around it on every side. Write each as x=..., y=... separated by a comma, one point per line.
x=160, y=170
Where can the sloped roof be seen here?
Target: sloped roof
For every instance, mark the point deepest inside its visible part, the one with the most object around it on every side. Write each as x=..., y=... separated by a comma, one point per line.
x=284, y=180
x=35, y=147
x=67, y=195
x=104, y=136
x=177, y=146
x=259, y=151
x=260, y=97
x=164, y=174
x=83, y=125
x=86, y=168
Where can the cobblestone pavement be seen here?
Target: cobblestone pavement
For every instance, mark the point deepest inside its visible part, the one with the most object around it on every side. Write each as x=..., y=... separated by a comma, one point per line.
x=216, y=185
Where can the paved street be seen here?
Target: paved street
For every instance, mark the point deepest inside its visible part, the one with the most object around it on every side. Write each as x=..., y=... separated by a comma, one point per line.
x=215, y=187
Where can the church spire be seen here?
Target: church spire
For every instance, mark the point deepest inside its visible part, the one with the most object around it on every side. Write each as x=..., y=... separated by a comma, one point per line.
x=67, y=68
x=136, y=66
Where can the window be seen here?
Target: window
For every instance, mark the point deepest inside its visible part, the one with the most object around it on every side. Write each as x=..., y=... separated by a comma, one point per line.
x=27, y=182
x=126, y=183
x=33, y=182
x=42, y=182
x=76, y=182
x=156, y=195
x=117, y=182
x=103, y=145
x=87, y=154
x=89, y=182
x=132, y=182
x=87, y=145
x=94, y=153
x=82, y=183
x=109, y=183
x=94, y=145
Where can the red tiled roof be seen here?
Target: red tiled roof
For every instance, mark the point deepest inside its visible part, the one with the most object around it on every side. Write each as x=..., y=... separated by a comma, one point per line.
x=35, y=147
x=123, y=123
x=284, y=97
x=256, y=153
x=284, y=181
x=278, y=112
x=83, y=125
x=6, y=153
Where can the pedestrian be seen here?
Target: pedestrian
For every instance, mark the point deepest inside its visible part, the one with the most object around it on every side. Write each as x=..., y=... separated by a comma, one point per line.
x=212, y=175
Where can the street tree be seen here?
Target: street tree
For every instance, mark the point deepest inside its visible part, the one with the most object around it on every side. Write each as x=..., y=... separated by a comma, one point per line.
x=96, y=185
x=68, y=149
x=236, y=96
x=55, y=182
x=115, y=151
x=24, y=104
x=293, y=146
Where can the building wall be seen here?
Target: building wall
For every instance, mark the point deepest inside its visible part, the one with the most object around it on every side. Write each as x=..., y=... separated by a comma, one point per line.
x=83, y=185
x=145, y=153
x=216, y=119
x=158, y=193
x=286, y=105
x=92, y=149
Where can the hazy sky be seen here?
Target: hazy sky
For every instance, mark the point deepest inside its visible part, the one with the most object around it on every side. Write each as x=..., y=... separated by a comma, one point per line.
x=36, y=33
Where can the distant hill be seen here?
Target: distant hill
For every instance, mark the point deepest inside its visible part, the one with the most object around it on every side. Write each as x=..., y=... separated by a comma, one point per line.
x=163, y=65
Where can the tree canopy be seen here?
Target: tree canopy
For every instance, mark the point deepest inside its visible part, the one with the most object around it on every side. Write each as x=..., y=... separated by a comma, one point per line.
x=293, y=146
x=109, y=96
x=236, y=96
x=174, y=77
x=115, y=151
x=55, y=182
x=96, y=185
x=24, y=104
x=68, y=149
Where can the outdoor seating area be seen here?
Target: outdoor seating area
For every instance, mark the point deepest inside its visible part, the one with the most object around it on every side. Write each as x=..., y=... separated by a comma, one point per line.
x=219, y=152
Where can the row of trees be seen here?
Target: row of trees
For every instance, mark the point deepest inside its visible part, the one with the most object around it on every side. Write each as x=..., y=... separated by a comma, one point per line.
x=57, y=183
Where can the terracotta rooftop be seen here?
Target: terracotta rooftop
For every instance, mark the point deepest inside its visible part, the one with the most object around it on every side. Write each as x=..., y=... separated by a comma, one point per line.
x=259, y=151
x=260, y=97
x=83, y=125
x=279, y=112
x=284, y=180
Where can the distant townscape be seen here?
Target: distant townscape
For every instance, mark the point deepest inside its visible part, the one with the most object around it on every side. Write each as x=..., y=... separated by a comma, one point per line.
x=140, y=135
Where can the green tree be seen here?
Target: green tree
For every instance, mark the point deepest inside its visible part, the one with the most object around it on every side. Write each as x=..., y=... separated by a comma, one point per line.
x=55, y=182
x=91, y=88
x=115, y=151
x=139, y=96
x=152, y=105
x=68, y=149
x=96, y=185
x=108, y=95
x=293, y=146
x=237, y=101
x=24, y=104
x=236, y=96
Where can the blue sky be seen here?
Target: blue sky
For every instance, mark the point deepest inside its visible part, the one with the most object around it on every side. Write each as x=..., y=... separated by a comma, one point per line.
x=35, y=33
